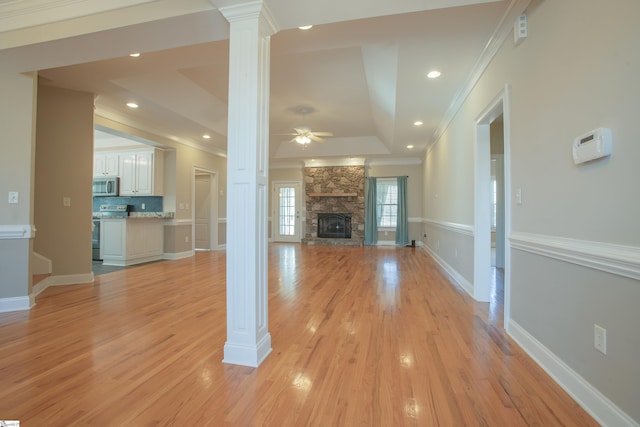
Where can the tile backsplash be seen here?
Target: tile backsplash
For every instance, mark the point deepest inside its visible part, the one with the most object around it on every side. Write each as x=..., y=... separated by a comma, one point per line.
x=152, y=203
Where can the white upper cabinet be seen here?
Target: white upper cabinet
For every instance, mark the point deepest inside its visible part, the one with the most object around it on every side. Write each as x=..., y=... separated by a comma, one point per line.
x=141, y=173
x=105, y=164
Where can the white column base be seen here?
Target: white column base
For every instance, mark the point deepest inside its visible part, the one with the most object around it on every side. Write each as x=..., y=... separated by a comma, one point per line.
x=247, y=355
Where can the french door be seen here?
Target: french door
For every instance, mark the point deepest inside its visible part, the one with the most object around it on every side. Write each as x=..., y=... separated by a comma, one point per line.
x=286, y=218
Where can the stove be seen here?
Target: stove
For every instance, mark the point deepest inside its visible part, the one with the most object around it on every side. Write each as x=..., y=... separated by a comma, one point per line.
x=114, y=211
x=106, y=211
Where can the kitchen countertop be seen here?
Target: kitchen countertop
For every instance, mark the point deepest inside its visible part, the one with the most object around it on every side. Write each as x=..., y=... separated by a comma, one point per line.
x=134, y=215
x=150, y=214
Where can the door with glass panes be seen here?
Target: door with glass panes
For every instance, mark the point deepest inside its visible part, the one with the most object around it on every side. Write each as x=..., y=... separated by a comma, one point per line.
x=286, y=218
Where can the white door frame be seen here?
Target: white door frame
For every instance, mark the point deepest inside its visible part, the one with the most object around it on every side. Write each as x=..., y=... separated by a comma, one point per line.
x=213, y=220
x=482, y=229
x=275, y=215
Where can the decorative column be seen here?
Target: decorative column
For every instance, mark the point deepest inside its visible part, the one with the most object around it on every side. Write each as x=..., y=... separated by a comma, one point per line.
x=248, y=339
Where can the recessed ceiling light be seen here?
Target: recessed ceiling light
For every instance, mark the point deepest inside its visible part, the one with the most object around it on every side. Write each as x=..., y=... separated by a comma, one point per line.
x=417, y=123
x=132, y=105
x=409, y=147
x=134, y=55
x=306, y=27
x=433, y=74
x=206, y=136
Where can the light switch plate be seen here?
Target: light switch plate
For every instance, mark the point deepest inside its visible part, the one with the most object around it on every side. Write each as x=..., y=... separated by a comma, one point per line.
x=14, y=197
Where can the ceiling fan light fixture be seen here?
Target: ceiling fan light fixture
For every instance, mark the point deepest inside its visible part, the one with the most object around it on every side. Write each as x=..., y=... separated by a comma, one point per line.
x=433, y=74
x=303, y=139
x=305, y=27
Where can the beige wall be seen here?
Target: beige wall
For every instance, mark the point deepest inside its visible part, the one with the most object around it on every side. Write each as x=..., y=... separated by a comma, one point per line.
x=565, y=79
x=64, y=168
x=180, y=161
x=17, y=152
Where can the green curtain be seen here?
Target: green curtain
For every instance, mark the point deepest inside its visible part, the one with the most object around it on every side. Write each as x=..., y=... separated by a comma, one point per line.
x=402, y=226
x=370, y=215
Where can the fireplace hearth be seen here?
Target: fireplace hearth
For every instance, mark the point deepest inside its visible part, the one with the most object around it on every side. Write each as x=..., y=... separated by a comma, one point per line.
x=334, y=225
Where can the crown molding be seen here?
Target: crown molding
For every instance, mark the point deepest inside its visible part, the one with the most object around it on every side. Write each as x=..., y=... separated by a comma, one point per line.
x=355, y=161
x=286, y=165
x=394, y=161
x=500, y=34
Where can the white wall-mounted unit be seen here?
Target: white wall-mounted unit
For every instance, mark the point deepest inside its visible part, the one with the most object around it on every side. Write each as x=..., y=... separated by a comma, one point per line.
x=592, y=145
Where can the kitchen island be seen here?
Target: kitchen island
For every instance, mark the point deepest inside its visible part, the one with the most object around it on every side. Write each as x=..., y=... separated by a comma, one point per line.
x=134, y=239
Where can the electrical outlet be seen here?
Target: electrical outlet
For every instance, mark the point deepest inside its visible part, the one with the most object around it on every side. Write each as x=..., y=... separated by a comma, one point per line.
x=144, y=206
x=66, y=202
x=13, y=197
x=600, y=339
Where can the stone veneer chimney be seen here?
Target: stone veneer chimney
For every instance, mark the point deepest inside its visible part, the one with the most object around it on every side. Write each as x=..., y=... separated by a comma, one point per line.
x=335, y=189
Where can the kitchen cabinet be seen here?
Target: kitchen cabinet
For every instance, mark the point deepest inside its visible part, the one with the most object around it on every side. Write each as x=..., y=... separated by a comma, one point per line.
x=128, y=241
x=141, y=173
x=105, y=164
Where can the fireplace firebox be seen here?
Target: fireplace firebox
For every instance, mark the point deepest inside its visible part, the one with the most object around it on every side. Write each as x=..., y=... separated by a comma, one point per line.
x=334, y=225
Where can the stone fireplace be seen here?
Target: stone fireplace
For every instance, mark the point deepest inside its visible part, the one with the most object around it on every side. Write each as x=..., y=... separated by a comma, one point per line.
x=334, y=190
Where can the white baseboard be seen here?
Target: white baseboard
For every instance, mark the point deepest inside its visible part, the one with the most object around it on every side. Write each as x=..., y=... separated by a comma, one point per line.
x=177, y=255
x=14, y=304
x=60, y=280
x=454, y=276
x=604, y=411
x=68, y=279
x=222, y=247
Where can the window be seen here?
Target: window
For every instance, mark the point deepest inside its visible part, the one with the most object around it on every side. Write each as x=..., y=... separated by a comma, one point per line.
x=387, y=202
x=287, y=211
x=494, y=194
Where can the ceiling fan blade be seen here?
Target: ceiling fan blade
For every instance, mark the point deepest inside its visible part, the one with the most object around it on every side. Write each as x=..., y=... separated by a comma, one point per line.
x=301, y=130
x=315, y=138
x=293, y=139
x=322, y=133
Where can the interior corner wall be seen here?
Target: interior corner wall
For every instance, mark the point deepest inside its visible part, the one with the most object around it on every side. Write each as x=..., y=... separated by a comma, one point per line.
x=64, y=169
x=565, y=79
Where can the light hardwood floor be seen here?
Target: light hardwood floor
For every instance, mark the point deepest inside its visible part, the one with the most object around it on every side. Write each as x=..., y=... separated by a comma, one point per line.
x=361, y=337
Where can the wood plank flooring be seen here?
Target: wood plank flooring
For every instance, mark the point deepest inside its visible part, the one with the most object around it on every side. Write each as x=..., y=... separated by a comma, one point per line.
x=361, y=337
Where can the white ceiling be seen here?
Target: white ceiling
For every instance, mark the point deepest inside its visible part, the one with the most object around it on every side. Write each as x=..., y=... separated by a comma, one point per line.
x=362, y=75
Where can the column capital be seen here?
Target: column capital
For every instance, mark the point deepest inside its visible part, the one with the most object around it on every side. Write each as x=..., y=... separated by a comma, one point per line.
x=251, y=11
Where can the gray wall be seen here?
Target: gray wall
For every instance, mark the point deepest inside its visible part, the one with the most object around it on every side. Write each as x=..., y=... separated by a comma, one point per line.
x=566, y=78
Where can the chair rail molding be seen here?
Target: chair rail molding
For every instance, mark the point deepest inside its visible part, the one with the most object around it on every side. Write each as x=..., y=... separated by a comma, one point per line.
x=608, y=257
x=467, y=230
x=17, y=231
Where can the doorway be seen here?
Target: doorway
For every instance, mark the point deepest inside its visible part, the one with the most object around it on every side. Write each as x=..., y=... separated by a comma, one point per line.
x=492, y=208
x=286, y=206
x=205, y=210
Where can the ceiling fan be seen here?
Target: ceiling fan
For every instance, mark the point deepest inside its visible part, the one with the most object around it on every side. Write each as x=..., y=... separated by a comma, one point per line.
x=304, y=135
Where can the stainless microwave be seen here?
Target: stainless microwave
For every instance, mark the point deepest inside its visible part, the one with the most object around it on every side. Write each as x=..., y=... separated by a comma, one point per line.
x=107, y=186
